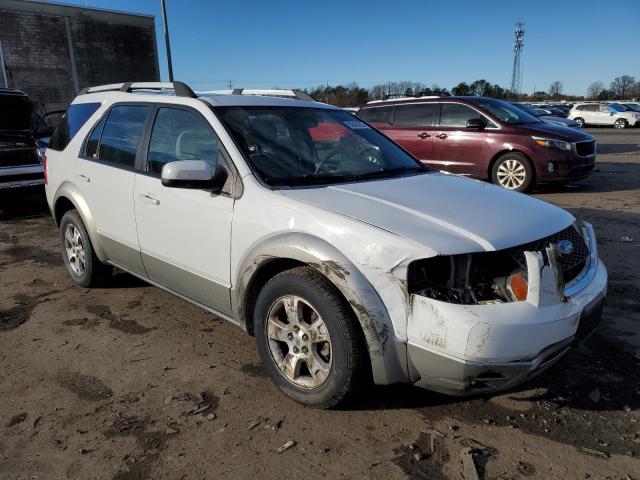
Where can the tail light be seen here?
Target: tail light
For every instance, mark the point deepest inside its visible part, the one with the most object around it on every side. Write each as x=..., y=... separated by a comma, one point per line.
x=44, y=167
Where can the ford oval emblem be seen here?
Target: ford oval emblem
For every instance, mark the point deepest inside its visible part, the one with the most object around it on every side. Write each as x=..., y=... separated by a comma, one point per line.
x=565, y=247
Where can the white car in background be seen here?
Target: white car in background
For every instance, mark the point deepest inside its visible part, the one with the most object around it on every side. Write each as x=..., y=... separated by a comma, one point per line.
x=346, y=257
x=611, y=114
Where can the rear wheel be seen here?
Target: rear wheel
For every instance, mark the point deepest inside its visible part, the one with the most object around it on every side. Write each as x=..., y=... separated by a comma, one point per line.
x=580, y=121
x=620, y=123
x=307, y=339
x=513, y=171
x=84, y=267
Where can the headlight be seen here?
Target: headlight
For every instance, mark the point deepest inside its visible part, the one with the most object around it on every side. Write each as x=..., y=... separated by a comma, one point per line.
x=470, y=279
x=551, y=143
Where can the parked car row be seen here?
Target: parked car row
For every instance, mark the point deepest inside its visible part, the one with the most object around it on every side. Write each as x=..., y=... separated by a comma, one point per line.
x=546, y=116
x=347, y=258
x=606, y=114
x=486, y=139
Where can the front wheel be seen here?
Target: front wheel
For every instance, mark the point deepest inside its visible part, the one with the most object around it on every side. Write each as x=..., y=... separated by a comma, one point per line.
x=620, y=123
x=307, y=338
x=513, y=171
x=580, y=121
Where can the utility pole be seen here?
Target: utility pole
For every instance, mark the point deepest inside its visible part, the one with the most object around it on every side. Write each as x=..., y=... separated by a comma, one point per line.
x=516, y=72
x=166, y=39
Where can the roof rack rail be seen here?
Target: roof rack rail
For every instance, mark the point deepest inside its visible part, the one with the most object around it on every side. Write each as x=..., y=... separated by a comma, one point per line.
x=299, y=94
x=181, y=89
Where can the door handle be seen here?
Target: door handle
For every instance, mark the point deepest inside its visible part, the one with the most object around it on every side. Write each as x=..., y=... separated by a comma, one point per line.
x=423, y=135
x=84, y=178
x=442, y=136
x=149, y=199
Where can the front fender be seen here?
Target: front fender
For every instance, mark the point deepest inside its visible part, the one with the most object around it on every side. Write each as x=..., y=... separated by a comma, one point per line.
x=388, y=355
x=69, y=191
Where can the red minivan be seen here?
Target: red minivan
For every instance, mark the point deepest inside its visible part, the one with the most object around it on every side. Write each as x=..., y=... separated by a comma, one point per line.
x=484, y=138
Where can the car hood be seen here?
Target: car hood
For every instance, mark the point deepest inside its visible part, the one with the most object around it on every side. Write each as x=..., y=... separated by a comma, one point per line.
x=553, y=130
x=15, y=112
x=446, y=213
x=561, y=120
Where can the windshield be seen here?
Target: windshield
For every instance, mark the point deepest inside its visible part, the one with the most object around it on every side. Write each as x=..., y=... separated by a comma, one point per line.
x=617, y=107
x=290, y=146
x=526, y=108
x=506, y=112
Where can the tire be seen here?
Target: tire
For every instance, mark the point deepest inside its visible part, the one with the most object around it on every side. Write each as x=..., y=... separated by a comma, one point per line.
x=580, y=121
x=620, y=123
x=514, y=171
x=84, y=267
x=323, y=314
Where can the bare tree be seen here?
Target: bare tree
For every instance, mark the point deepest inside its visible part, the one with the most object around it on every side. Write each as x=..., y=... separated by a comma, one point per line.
x=621, y=86
x=594, y=90
x=555, y=89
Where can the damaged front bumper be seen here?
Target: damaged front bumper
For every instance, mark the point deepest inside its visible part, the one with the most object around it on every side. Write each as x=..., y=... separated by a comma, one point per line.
x=467, y=349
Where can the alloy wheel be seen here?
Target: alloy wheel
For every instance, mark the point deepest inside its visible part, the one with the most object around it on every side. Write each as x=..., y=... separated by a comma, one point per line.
x=511, y=174
x=299, y=342
x=619, y=124
x=74, y=249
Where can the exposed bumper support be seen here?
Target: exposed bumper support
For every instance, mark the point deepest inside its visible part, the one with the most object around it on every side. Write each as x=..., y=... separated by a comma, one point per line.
x=467, y=349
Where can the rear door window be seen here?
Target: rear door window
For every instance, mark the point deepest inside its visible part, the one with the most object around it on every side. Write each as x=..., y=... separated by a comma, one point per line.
x=71, y=122
x=121, y=134
x=377, y=114
x=180, y=135
x=456, y=115
x=422, y=114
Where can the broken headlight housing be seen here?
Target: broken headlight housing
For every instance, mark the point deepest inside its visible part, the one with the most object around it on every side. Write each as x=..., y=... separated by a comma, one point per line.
x=467, y=279
x=496, y=277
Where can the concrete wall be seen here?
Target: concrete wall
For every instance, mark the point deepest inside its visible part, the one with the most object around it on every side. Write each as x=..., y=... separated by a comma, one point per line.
x=52, y=51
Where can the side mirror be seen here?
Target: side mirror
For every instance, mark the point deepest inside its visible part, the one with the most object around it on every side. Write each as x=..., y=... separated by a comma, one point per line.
x=476, y=124
x=43, y=132
x=196, y=174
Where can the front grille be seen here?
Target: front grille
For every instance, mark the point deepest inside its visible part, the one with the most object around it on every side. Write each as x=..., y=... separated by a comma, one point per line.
x=586, y=148
x=572, y=264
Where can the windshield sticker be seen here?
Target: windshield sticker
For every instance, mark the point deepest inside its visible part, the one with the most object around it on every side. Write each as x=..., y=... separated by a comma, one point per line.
x=356, y=125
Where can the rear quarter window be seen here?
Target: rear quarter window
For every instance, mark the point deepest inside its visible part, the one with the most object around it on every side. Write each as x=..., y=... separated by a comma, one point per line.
x=72, y=121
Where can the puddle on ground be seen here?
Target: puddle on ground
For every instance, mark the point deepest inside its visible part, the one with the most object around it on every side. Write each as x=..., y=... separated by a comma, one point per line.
x=119, y=323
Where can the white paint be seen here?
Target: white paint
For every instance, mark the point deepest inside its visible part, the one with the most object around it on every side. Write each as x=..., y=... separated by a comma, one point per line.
x=379, y=226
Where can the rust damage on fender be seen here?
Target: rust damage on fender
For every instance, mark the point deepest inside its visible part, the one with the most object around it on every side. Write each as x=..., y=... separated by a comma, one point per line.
x=328, y=267
x=372, y=327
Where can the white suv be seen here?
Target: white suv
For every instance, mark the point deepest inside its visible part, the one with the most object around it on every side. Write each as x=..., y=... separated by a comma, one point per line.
x=343, y=255
x=604, y=114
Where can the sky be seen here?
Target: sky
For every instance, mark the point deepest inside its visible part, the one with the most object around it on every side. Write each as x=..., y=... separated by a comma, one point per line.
x=305, y=43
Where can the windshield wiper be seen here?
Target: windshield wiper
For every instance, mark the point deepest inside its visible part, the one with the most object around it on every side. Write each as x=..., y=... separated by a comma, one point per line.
x=327, y=179
x=392, y=171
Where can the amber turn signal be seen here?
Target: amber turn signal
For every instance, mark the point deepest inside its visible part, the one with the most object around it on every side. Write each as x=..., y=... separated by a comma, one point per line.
x=518, y=286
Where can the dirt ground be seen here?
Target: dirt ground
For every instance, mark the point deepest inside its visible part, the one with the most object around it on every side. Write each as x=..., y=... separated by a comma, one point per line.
x=129, y=382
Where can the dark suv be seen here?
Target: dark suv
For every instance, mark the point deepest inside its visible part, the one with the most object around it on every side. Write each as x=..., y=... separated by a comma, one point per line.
x=20, y=155
x=485, y=138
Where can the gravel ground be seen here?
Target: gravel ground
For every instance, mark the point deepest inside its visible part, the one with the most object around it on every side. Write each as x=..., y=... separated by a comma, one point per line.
x=129, y=382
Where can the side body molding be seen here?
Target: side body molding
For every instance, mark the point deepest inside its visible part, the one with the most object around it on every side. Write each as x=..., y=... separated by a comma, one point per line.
x=387, y=354
x=69, y=191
